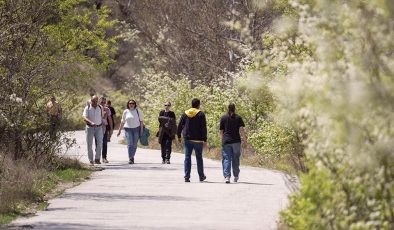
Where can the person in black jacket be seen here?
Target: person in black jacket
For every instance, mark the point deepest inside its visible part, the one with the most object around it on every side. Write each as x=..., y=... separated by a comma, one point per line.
x=193, y=125
x=166, y=134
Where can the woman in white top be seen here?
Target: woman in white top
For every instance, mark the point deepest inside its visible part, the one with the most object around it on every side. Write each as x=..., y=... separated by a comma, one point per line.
x=132, y=122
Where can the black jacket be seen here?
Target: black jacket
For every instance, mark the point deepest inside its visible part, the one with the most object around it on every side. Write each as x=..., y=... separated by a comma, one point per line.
x=194, y=125
x=167, y=122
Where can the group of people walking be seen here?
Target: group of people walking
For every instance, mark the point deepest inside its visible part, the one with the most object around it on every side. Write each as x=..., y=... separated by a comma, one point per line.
x=192, y=125
x=100, y=122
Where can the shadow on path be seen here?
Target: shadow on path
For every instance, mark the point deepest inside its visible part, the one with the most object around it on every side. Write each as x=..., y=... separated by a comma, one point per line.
x=215, y=182
x=113, y=196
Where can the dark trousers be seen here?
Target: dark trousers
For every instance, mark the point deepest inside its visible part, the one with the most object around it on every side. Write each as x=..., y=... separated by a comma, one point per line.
x=54, y=123
x=166, y=149
x=105, y=141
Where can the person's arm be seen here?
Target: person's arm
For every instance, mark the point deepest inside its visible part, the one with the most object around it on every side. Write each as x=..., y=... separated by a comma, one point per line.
x=109, y=119
x=122, y=122
x=221, y=127
x=59, y=111
x=48, y=109
x=113, y=114
x=180, y=127
x=120, y=128
x=160, y=114
x=204, y=128
x=244, y=137
x=243, y=133
x=141, y=128
x=141, y=118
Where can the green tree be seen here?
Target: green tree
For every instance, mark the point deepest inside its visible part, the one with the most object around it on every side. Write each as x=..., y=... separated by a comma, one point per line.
x=48, y=47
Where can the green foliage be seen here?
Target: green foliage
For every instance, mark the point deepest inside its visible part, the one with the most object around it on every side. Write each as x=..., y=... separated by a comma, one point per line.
x=48, y=47
x=330, y=73
x=273, y=139
x=7, y=218
x=314, y=195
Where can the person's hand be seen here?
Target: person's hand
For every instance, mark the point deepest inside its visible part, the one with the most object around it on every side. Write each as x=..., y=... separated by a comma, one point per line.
x=118, y=133
x=93, y=125
x=205, y=145
x=244, y=145
x=179, y=140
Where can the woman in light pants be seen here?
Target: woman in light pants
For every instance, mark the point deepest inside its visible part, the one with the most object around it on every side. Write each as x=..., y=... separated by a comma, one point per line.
x=231, y=125
x=133, y=123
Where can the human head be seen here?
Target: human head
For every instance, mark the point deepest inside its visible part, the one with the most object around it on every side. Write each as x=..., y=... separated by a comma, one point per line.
x=231, y=109
x=196, y=103
x=94, y=100
x=131, y=103
x=53, y=98
x=103, y=100
x=167, y=105
x=108, y=102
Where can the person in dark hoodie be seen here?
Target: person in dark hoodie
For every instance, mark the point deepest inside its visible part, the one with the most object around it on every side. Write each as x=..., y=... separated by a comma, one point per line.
x=167, y=131
x=193, y=126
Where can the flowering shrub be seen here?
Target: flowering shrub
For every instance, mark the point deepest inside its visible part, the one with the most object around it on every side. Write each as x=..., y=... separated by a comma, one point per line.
x=332, y=74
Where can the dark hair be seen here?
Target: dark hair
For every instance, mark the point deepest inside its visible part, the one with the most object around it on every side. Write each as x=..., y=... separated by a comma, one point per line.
x=231, y=110
x=108, y=102
x=195, y=103
x=103, y=98
x=131, y=100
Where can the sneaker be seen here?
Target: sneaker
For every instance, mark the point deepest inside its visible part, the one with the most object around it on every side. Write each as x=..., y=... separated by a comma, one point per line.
x=130, y=161
x=187, y=179
x=168, y=162
x=227, y=180
x=91, y=163
x=97, y=161
x=105, y=160
x=236, y=179
x=203, y=178
x=163, y=162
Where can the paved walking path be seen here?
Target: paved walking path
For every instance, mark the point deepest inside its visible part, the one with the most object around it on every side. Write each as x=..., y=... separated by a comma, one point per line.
x=149, y=195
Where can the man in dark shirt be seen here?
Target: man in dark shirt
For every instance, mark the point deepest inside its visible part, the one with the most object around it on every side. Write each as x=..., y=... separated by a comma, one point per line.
x=193, y=125
x=231, y=125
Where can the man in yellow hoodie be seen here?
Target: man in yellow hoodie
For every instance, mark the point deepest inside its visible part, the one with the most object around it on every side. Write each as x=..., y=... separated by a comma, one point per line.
x=193, y=126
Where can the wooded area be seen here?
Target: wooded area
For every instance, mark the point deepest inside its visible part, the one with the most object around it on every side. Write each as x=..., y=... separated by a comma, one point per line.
x=313, y=80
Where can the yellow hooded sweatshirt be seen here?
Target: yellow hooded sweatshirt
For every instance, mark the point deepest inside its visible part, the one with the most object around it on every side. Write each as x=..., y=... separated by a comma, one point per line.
x=192, y=112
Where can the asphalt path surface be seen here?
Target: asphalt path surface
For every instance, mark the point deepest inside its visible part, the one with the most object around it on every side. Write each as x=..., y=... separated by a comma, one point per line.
x=151, y=195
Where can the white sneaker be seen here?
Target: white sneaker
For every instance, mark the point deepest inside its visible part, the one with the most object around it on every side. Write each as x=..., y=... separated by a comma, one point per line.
x=236, y=179
x=105, y=161
x=227, y=180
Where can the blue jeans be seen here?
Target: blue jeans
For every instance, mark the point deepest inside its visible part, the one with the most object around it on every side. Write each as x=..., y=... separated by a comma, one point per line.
x=197, y=146
x=132, y=135
x=97, y=134
x=231, y=154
